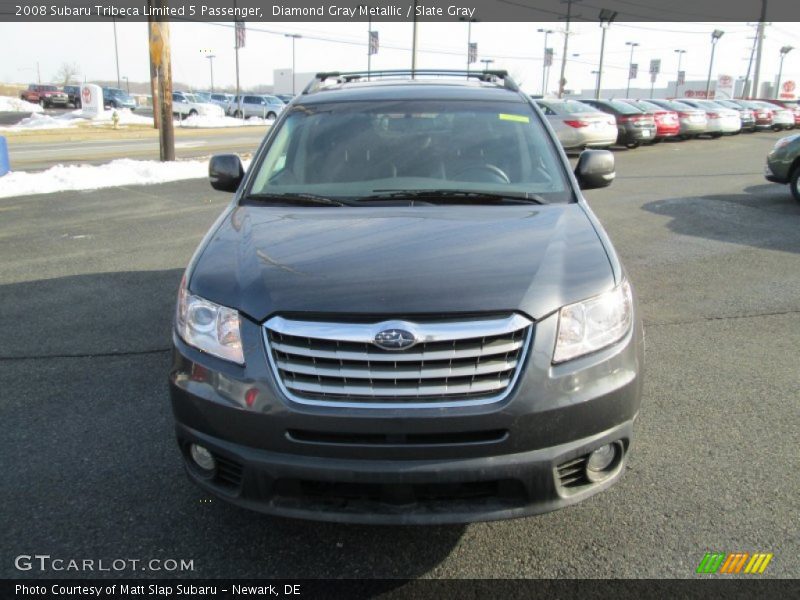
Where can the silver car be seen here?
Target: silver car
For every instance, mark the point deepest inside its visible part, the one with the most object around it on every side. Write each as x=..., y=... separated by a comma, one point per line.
x=693, y=120
x=579, y=125
x=256, y=105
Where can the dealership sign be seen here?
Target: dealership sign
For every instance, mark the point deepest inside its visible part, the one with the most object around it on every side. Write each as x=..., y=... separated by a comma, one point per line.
x=724, y=89
x=91, y=99
x=788, y=90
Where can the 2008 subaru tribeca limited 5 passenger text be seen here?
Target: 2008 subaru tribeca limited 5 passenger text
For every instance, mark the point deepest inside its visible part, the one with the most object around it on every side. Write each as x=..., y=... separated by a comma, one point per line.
x=408, y=313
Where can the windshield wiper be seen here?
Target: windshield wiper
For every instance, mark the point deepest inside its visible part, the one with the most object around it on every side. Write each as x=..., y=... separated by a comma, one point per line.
x=299, y=199
x=454, y=196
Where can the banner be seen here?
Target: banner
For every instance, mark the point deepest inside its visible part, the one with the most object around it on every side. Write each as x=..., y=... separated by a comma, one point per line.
x=681, y=77
x=548, y=57
x=373, y=42
x=240, y=34
x=472, y=52
x=655, y=66
x=634, y=71
x=724, y=89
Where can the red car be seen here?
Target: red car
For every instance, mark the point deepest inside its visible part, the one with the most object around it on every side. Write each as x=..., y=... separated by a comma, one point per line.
x=789, y=105
x=763, y=116
x=667, y=121
x=45, y=95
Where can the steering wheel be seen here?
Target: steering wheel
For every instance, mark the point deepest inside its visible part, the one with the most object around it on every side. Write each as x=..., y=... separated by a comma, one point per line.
x=481, y=173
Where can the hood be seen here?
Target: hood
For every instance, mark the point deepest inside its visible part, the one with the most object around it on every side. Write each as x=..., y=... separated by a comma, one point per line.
x=402, y=261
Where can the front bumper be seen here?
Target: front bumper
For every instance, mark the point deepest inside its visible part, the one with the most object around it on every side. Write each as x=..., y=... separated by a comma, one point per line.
x=405, y=466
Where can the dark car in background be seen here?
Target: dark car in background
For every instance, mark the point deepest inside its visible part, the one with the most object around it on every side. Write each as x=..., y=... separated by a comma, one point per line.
x=634, y=126
x=783, y=164
x=117, y=98
x=73, y=93
x=763, y=115
x=408, y=313
x=668, y=124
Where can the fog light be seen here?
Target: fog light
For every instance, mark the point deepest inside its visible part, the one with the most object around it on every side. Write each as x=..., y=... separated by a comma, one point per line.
x=602, y=461
x=202, y=457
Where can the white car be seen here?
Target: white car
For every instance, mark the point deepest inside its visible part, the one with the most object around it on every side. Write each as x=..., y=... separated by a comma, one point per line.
x=185, y=104
x=721, y=120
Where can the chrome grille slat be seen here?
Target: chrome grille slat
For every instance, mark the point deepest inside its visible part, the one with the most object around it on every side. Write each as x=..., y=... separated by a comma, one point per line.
x=450, y=362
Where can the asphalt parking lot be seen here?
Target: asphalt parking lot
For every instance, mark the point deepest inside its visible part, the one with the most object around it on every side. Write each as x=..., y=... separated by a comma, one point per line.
x=87, y=285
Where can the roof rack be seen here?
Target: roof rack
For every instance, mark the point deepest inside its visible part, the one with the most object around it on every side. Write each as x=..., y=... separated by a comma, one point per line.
x=488, y=76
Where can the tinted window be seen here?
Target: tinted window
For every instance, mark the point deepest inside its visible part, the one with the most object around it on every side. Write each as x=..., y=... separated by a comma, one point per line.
x=624, y=108
x=355, y=149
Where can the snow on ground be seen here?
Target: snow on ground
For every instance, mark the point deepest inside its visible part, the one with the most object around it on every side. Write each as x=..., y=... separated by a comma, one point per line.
x=89, y=177
x=9, y=104
x=126, y=117
x=39, y=121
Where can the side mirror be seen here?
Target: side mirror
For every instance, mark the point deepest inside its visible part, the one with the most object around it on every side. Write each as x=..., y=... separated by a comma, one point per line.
x=225, y=172
x=595, y=169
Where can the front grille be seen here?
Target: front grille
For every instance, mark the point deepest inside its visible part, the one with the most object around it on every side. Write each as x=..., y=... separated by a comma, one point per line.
x=229, y=472
x=465, y=362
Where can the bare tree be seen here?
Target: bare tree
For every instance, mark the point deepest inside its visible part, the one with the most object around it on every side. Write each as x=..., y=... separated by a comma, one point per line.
x=67, y=73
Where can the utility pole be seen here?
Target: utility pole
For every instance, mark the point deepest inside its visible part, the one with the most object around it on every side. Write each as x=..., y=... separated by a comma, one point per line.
x=211, y=58
x=759, y=47
x=294, y=37
x=160, y=60
x=414, y=43
x=153, y=73
x=680, y=54
x=746, y=87
x=562, y=82
x=369, y=46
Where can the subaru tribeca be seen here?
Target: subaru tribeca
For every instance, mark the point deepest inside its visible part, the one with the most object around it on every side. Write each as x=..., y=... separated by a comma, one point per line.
x=408, y=313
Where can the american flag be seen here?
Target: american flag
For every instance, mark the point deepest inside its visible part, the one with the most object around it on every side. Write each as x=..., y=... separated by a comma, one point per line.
x=240, y=34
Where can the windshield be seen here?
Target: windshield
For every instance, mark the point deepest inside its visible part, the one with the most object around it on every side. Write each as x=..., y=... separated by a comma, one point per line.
x=190, y=97
x=352, y=150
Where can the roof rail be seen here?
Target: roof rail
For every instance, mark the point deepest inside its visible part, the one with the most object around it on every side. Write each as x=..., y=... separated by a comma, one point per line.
x=488, y=76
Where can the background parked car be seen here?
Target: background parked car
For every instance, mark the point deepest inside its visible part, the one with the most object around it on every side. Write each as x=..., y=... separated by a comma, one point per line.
x=791, y=105
x=746, y=114
x=185, y=104
x=285, y=97
x=762, y=114
x=579, y=125
x=44, y=95
x=693, y=121
x=667, y=123
x=73, y=93
x=255, y=105
x=634, y=126
x=782, y=118
x=783, y=164
x=117, y=98
x=721, y=120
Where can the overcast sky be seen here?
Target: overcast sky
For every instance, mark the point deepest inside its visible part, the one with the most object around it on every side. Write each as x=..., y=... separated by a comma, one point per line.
x=517, y=47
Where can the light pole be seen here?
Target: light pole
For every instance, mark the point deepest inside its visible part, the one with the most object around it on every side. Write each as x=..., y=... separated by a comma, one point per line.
x=116, y=51
x=715, y=35
x=630, y=67
x=211, y=58
x=680, y=54
x=606, y=18
x=486, y=62
x=294, y=36
x=469, y=38
x=784, y=51
x=562, y=81
x=545, y=66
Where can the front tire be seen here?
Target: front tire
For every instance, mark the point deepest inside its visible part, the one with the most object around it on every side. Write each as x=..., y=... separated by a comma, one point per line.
x=193, y=113
x=794, y=183
x=271, y=116
x=632, y=145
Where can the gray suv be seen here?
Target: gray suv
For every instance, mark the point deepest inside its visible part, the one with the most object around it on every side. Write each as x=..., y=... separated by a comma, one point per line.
x=408, y=313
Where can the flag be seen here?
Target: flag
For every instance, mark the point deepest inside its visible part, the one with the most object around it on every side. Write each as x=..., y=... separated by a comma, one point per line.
x=373, y=42
x=240, y=34
x=634, y=71
x=655, y=66
x=472, y=52
x=548, y=57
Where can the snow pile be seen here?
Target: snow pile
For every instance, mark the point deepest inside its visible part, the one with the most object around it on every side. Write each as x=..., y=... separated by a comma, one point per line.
x=126, y=117
x=40, y=121
x=214, y=122
x=90, y=177
x=9, y=104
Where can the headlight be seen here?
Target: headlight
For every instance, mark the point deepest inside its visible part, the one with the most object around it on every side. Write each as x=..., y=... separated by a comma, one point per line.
x=593, y=324
x=209, y=327
x=783, y=141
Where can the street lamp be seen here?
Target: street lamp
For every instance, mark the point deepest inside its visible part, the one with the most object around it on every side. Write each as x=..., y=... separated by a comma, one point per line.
x=486, y=62
x=630, y=67
x=715, y=35
x=294, y=36
x=545, y=66
x=469, y=38
x=784, y=51
x=680, y=54
x=606, y=18
x=211, y=58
